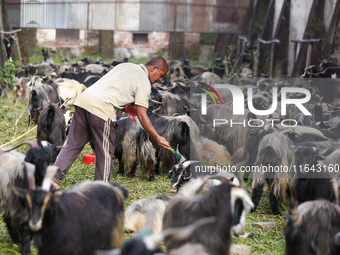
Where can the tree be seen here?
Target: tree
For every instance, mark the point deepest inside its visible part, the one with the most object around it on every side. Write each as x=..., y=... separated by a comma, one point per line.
x=5, y=25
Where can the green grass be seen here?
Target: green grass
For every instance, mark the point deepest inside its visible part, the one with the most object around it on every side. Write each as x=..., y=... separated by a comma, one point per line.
x=13, y=123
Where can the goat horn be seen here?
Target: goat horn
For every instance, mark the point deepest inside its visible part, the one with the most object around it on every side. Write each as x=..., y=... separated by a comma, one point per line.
x=157, y=109
x=182, y=157
x=30, y=143
x=189, y=162
x=201, y=118
x=180, y=233
x=156, y=102
x=173, y=86
x=220, y=178
x=337, y=239
x=50, y=173
x=30, y=170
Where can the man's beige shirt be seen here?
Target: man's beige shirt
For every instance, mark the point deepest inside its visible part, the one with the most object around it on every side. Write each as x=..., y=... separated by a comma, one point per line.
x=125, y=84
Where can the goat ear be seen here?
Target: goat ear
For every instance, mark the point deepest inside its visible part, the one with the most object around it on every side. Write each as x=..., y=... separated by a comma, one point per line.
x=56, y=195
x=29, y=157
x=20, y=192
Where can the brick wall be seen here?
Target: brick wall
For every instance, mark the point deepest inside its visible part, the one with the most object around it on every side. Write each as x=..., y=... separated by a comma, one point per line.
x=157, y=41
x=191, y=40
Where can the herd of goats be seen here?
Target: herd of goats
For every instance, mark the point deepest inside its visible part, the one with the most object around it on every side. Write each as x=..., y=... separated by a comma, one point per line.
x=295, y=154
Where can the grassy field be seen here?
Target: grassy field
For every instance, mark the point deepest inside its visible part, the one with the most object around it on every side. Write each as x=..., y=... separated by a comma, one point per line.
x=14, y=129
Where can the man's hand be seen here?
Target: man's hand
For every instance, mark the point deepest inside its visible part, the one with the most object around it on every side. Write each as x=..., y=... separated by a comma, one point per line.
x=163, y=143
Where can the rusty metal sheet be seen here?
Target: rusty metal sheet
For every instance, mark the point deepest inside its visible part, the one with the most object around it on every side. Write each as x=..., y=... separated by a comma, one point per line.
x=156, y=16
x=128, y=15
x=103, y=16
x=201, y=16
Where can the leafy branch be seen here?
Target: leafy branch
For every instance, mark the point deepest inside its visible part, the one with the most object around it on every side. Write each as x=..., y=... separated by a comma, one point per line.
x=7, y=73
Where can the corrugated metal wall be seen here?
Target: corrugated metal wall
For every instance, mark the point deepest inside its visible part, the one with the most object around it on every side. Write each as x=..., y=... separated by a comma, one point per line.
x=132, y=15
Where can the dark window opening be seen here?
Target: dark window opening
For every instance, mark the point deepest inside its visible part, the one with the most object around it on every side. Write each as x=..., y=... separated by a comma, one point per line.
x=140, y=38
x=67, y=35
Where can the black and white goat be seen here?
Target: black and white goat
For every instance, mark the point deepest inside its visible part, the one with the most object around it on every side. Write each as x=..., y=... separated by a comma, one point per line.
x=147, y=243
x=81, y=220
x=198, y=199
x=136, y=214
x=52, y=127
x=13, y=173
x=183, y=171
x=313, y=228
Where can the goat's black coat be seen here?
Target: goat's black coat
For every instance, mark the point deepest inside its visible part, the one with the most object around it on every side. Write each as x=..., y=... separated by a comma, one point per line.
x=80, y=221
x=313, y=184
x=215, y=237
x=40, y=96
x=311, y=227
x=15, y=211
x=51, y=127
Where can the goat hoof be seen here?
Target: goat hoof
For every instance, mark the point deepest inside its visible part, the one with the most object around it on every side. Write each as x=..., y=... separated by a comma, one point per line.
x=151, y=178
x=131, y=175
x=120, y=172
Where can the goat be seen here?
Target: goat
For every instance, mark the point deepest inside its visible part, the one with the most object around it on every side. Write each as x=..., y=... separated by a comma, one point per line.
x=315, y=183
x=198, y=199
x=181, y=173
x=312, y=227
x=146, y=243
x=275, y=150
x=81, y=220
x=13, y=173
x=52, y=127
x=232, y=138
x=40, y=96
x=133, y=144
x=21, y=90
x=136, y=214
x=47, y=57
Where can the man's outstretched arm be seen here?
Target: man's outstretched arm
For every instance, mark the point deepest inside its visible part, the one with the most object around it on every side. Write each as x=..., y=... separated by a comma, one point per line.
x=147, y=125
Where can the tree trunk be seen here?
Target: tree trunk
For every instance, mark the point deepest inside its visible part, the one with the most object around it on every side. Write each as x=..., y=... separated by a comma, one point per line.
x=5, y=26
x=106, y=43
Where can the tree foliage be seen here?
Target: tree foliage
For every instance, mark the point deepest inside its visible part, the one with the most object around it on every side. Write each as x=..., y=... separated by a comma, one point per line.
x=7, y=73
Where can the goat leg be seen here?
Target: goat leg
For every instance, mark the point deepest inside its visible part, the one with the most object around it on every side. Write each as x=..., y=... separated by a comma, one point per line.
x=131, y=174
x=151, y=170
x=121, y=166
x=256, y=195
x=274, y=202
x=157, y=171
x=13, y=232
x=25, y=239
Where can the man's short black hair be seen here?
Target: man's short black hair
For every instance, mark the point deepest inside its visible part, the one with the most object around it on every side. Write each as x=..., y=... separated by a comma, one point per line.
x=158, y=61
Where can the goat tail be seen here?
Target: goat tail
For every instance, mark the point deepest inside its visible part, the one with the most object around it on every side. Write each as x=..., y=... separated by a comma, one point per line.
x=147, y=152
x=293, y=213
x=50, y=117
x=130, y=150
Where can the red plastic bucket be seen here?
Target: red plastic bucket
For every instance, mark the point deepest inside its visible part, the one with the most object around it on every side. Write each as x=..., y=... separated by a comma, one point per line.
x=89, y=158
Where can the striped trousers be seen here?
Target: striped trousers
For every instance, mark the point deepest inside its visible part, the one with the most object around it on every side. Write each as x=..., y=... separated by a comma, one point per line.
x=86, y=126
